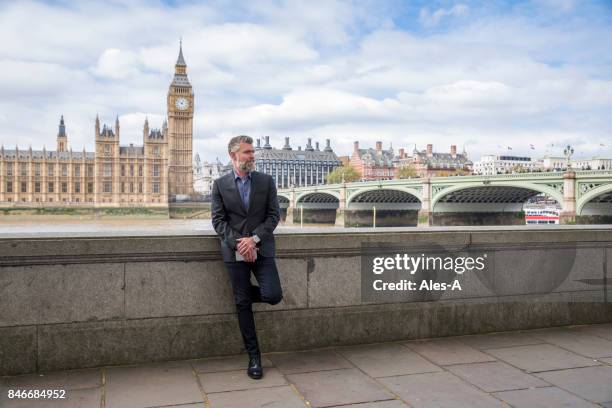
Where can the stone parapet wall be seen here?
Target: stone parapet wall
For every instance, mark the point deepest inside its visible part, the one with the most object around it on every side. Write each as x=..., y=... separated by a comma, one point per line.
x=93, y=300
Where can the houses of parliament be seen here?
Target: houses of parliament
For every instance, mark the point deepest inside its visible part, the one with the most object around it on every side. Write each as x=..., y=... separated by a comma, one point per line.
x=113, y=175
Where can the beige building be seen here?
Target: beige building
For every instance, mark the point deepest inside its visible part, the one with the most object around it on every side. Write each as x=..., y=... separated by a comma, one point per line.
x=112, y=175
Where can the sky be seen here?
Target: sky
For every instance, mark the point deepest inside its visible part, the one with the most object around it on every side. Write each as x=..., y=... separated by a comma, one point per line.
x=486, y=76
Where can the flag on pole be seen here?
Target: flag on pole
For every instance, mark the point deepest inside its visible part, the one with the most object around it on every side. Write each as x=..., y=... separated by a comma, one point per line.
x=602, y=145
x=509, y=148
x=532, y=147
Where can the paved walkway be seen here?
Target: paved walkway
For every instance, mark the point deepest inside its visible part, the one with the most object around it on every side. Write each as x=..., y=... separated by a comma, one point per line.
x=569, y=367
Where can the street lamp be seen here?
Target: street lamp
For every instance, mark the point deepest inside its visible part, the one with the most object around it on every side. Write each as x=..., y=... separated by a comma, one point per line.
x=568, y=151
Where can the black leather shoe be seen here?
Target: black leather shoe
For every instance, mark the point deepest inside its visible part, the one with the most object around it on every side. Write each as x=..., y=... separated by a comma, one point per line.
x=255, y=370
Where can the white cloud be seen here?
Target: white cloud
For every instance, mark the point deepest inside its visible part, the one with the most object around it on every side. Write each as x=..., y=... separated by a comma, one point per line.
x=328, y=69
x=115, y=64
x=431, y=19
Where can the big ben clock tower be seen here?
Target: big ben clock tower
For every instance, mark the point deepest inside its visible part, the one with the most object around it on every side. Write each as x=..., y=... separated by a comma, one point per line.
x=180, y=131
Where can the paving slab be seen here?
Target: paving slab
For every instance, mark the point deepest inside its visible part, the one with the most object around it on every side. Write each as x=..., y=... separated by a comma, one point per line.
x=385, y=360
x=601, y=330
x=272, y=397
x=448, y=351
x=378, y=404
x=591, y=383
x=66, y=380
x=541, y=357
x=495, y=376
x=308, y=361
x=439, y=390
x=230, y=363
x=338, y=387
x=579, y=342
x=543, y=398
x=498, y=340
x=84, y=398
x=151, y=385
x=239, y=380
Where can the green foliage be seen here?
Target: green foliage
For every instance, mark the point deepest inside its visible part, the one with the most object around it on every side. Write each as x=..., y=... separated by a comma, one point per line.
x=350, y=175
x=406, y=172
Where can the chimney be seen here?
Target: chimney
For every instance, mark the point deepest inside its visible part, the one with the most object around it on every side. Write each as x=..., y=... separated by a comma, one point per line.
x=286, y=146
x=378, y=146
x=317, y=146
x=327, y=146
x=401, y=153
x=309, y=145
x=453, y=151
x=429, y=150
x=267, y=145
x=299, y=148
x=356, y=145
x=258, y=144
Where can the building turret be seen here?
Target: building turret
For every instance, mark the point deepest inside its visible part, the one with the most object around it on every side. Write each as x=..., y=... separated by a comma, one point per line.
x=97, y=127
x=145, y=130
x=117, y=126
x=62, y=137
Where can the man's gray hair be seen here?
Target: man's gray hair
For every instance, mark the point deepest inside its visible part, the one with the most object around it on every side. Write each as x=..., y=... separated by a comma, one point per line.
x=234, y=143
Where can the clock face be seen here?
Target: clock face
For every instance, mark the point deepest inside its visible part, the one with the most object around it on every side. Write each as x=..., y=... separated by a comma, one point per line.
x=181, y=103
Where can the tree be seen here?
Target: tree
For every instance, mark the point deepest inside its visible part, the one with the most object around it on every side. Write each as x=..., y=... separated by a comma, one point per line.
x=405, y=172
x=350, y=175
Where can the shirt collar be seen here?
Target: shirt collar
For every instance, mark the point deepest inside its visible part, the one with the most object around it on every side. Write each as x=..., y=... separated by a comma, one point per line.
x=236, y=176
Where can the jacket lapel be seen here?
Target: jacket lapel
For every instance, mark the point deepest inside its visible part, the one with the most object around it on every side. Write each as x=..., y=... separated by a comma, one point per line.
x=252, y=192
x=231, y=187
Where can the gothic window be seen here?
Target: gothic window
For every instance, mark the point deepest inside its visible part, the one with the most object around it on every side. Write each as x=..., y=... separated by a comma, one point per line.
x=24, y=187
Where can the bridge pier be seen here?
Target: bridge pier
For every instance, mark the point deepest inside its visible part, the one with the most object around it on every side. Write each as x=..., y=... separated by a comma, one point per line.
x=289, y=217
x=340, y=212
x=425, y=215
x=568, y=211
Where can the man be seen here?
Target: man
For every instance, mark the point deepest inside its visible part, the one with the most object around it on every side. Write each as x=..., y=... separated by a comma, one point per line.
x=244, y=214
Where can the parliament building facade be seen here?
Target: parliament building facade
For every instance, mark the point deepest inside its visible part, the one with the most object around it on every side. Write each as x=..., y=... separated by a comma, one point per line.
x=113, y=175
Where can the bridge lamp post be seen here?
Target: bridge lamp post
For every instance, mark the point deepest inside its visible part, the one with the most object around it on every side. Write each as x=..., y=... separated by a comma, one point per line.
x=568, y=151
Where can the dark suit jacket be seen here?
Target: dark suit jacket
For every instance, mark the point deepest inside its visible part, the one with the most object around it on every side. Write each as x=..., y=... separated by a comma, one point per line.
x=232, y=221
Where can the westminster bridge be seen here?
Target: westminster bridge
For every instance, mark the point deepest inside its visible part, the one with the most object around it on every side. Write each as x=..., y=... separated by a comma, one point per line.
x=585, y=197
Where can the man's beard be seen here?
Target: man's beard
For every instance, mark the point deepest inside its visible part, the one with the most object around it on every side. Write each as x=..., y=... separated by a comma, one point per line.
x=246, y=165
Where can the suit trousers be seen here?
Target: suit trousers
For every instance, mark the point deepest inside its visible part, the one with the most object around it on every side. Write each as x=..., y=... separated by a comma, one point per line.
x=245, y=294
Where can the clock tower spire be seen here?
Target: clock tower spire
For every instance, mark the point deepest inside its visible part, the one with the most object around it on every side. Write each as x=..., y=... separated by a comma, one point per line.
x=180, y=130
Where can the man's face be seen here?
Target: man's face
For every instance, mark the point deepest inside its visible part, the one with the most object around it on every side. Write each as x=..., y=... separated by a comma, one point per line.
x=244, y=158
